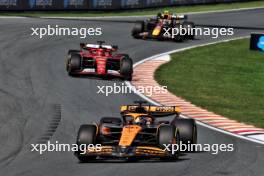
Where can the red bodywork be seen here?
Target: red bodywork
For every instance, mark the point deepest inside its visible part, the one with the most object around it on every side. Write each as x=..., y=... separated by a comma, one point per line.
x=99, y=59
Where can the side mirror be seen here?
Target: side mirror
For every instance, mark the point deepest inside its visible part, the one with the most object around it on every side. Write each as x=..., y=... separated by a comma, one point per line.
x=100, y=43
x=82, y=45
x=115, y=47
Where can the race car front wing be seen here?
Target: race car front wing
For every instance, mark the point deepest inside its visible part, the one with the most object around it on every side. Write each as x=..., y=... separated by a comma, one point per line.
x=125, y=152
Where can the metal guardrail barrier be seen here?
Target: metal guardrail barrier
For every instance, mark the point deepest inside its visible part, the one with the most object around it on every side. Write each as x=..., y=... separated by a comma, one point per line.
x=8, y=5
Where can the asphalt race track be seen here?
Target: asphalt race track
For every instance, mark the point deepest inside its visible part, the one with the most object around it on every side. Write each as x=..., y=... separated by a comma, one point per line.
x=40, y=102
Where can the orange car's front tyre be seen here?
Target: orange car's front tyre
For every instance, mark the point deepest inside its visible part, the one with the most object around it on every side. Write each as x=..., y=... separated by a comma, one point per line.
x=86, y=135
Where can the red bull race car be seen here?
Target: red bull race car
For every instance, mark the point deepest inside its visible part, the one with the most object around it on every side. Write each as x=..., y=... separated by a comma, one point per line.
x=99, y=59
x=143, y=131
x=165, y=26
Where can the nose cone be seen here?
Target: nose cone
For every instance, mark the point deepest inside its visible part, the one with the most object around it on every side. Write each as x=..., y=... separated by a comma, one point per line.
x=101, y=66
x=129, y=133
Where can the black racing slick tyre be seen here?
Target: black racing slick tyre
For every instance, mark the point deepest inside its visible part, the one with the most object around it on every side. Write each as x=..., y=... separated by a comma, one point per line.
x=86, y=136
x=126, y=68
x=150, y=24
x=187, y=129
x=178, y=37
x=190, y=26
x=168, y=135
x=74, y=63
x=137, y=29
x=70, y=52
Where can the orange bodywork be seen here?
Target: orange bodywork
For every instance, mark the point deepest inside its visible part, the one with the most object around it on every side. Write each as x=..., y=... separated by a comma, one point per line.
x=129, y=133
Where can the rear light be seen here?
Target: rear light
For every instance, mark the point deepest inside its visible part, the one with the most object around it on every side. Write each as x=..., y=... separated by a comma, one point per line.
x=105, y=130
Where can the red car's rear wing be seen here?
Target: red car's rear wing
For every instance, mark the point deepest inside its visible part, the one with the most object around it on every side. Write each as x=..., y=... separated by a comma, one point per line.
x=98, y=46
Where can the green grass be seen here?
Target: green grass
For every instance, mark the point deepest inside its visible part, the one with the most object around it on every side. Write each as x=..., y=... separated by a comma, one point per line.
x=225, y=78
x=179, y=9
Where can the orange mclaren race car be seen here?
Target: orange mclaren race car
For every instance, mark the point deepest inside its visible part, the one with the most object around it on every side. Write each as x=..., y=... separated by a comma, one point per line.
x=138, y=134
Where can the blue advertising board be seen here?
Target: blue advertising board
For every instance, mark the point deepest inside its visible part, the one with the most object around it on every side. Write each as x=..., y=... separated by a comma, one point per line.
x=257, y=41
x=75, y=4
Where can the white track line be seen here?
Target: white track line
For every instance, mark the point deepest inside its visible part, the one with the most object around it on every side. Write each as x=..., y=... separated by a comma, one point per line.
x=11, y=17
x=256, y=140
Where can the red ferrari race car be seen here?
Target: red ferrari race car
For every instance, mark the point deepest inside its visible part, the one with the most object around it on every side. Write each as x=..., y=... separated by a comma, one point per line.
x=98, y=59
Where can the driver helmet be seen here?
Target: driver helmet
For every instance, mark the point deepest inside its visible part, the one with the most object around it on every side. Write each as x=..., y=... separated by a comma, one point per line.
x=166, y=14
x=143, y=120
x=138, y=120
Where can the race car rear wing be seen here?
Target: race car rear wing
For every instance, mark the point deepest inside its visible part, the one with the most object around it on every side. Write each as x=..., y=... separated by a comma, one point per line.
x=179, y=17
x=97, y=46
x=153, y=110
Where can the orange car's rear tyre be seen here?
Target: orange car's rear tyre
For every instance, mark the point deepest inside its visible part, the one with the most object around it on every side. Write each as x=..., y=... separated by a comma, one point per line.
x=169, y=135
x=187, y=129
